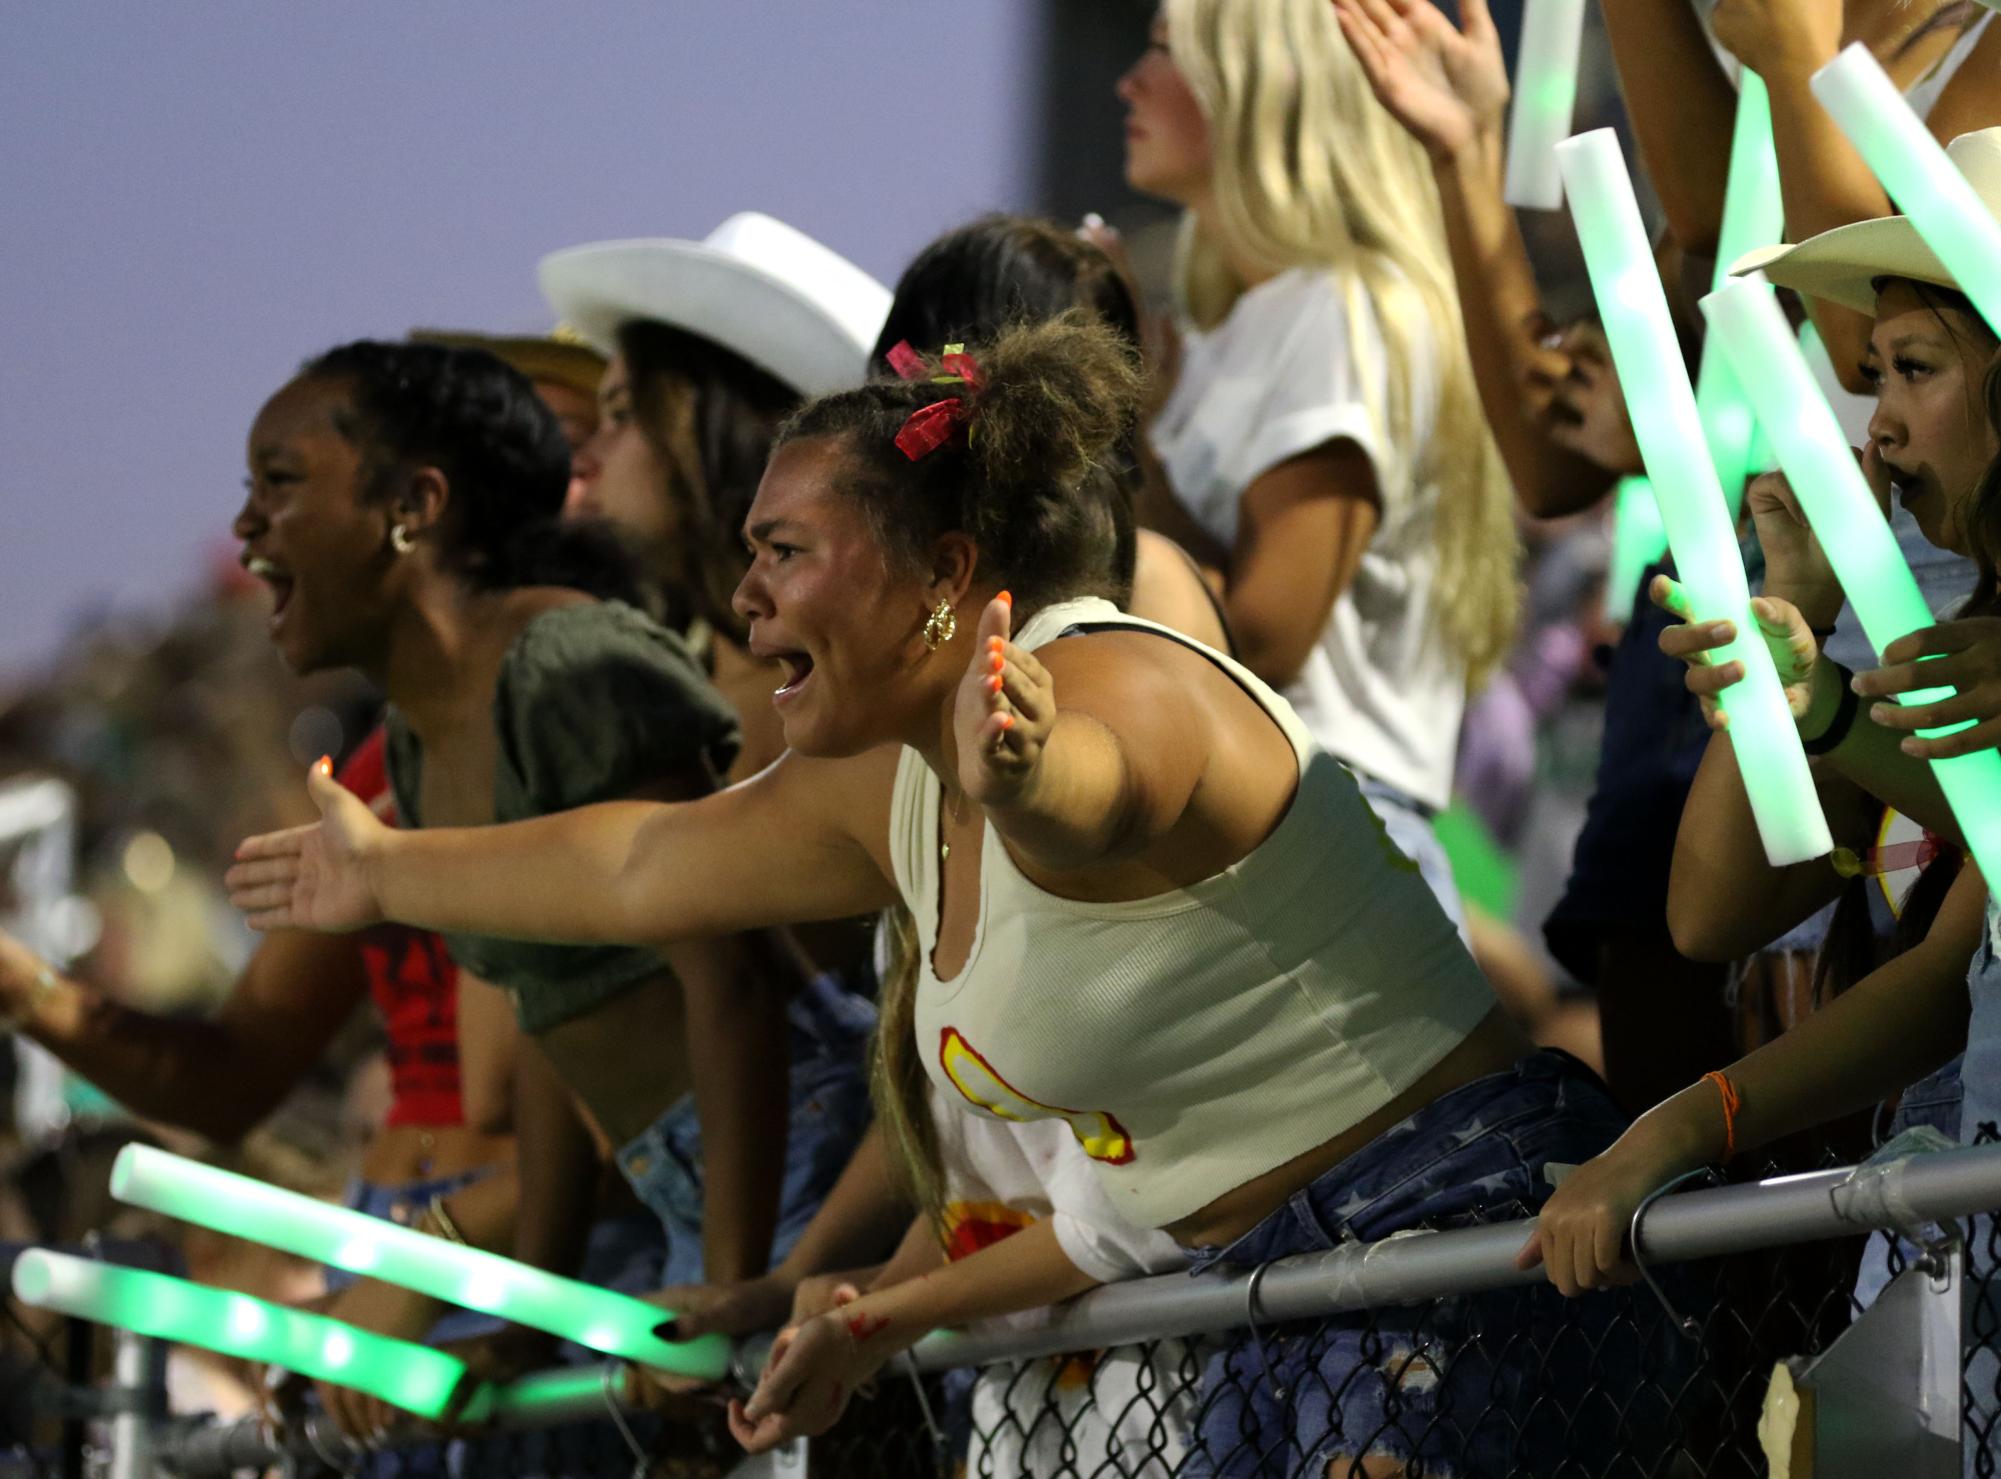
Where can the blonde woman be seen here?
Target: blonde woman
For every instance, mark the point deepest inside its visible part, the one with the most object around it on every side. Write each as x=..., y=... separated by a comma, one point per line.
x=1324, y=443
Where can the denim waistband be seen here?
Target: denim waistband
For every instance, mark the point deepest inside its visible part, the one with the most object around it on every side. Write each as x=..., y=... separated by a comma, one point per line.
x=1489, y=1138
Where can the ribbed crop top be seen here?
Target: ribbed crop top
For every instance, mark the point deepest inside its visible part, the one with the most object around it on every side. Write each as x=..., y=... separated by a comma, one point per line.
x=1202, y=1037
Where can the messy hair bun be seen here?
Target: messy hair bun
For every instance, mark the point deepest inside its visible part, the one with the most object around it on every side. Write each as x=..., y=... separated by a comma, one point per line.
x=1036, y=430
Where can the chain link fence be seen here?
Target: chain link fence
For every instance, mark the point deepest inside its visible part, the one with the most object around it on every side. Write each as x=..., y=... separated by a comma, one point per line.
x=1668, y=1378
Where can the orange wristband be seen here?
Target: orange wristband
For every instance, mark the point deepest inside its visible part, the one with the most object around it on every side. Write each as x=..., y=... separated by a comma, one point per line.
x=1732, y=1102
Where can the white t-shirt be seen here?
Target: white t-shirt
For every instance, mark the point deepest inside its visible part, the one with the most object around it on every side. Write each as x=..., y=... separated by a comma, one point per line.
x=1282, y=375
x=1094, y=1412
x=1002, y=1175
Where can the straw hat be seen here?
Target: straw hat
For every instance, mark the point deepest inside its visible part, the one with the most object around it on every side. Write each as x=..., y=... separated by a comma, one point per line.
x=1843, y=265
x=789, y=305
x=560, y=356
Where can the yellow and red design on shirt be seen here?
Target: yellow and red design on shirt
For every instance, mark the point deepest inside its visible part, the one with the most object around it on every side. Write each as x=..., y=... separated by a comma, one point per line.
x=971, y=1226
x=1101, y=1135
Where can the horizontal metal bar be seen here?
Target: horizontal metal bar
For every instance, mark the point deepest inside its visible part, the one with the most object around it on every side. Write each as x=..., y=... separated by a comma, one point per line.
x=1409, y=1268
x=1406, y=1268
x=203, y=1446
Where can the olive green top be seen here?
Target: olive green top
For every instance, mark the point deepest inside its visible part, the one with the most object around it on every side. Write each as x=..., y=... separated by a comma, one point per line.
x=594, y=702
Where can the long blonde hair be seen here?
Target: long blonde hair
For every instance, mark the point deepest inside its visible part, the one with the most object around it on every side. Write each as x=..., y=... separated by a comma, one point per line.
x=1311, y=171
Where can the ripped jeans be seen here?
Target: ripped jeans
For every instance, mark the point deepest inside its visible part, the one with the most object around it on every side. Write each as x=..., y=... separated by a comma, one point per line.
x=1515, y=1381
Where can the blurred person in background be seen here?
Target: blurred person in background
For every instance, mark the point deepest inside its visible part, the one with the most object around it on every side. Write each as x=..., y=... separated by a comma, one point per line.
x=1322, y=444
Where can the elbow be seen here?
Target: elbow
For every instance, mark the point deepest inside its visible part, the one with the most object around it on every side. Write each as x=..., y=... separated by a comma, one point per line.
x=1275, y=654
x=1701, y=932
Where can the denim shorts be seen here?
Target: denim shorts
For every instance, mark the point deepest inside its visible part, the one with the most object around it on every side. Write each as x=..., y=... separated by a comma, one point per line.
x=830, y=1028
x=1514, y=1381
x=404, y=1202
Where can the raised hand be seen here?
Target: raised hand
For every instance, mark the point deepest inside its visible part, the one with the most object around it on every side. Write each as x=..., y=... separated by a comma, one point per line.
x=1795, y=651
x=1775, y=37
x=1006, y=708
x=1447, y=85
x=1965, y=654
x=313, y=877
x=1796, y=568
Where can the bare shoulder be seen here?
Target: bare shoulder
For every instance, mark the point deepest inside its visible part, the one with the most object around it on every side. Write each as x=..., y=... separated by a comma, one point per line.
x=1131, y=677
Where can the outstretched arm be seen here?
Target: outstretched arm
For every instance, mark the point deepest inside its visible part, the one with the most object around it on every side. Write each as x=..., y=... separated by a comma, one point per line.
x=217, y=1075
x=800, y=841
x=1881, y=1035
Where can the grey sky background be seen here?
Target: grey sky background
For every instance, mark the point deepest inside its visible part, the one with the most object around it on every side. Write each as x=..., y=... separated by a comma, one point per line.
x=196, y=196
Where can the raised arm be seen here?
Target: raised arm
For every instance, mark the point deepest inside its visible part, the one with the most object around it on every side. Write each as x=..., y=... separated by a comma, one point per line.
x=1682, y=108
x=1449, y=88
x=802, y=840
x=1822, y=179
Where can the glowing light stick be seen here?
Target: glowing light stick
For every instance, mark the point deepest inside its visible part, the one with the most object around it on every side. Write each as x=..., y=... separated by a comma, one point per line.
x=598, y=1318
x=1835, y=497
x=1923, y=182
x=411, y=1376
x=1545, y=97
x=1752, y=217
x=563, y=1390
x=1776, y=779
x=1638, y=539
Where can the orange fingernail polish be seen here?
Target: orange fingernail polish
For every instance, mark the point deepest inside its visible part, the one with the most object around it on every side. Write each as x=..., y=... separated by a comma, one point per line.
x=994, y=684
x=325, y=766
x=1006, y=599
x=1007, y=721
x=998, y=663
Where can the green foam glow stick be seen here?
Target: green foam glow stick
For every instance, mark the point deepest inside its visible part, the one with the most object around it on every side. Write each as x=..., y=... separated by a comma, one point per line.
x=413, y=1377
x=1835, y=497
x=601, y=1319
x=1752, y=217
x=1638, y=539
x=561, y=1390
x=1545, y=97
x=1916, y=172
x=1777, y=781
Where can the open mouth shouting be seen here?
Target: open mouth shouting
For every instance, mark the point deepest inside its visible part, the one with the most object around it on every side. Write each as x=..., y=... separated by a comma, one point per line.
x=277, y=579
x=798, y=669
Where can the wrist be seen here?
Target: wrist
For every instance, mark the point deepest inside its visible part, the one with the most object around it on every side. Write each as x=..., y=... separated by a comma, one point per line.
x=1831, y=708
x=1819, y=603
x=1682, y=1133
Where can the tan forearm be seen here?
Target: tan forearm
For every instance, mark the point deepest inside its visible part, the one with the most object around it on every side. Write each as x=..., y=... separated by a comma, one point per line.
x=1681, y=106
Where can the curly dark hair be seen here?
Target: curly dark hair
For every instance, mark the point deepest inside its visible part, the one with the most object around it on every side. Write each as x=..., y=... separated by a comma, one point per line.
x=1025, y=474
x=478, y=421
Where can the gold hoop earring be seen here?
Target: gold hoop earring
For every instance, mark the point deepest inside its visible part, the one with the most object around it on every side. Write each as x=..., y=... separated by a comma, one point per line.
x=941, y=625
x=400, y=540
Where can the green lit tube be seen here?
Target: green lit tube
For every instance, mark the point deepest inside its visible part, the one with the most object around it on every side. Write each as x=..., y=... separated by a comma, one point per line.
x=601, y=1319
x=413, y=1377
x=566, y=1391
x=1837, y=502
x=1545, y=98
x=1638, y=539
x=1777, y=781
x=1923, y=182
x=1752, y=217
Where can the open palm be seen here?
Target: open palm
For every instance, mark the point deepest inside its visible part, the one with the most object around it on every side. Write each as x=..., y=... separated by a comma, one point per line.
x=313, y=877
x=1447, y=84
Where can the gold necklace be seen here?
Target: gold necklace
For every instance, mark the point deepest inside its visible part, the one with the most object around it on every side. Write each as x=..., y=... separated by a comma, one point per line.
x=955, y=815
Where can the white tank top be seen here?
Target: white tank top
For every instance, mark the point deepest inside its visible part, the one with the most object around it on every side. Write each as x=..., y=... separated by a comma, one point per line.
x=1202, y=1037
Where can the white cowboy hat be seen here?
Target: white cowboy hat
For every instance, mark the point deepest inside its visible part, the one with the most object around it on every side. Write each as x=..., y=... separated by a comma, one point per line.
x=789, y=305
x=1843, y=265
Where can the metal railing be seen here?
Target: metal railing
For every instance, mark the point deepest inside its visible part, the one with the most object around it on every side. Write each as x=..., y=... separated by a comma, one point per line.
x=1749, y=1270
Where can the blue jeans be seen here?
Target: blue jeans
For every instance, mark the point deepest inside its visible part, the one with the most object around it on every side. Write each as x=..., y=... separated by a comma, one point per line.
x=829, y=1114
x=404, y=1203
x=1408, y=821
x=1512, y=1381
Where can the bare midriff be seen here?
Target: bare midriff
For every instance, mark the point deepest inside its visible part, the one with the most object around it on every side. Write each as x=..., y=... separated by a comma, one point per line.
x=627, y=1059
x=1493, y=1046
x=397, y=1154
